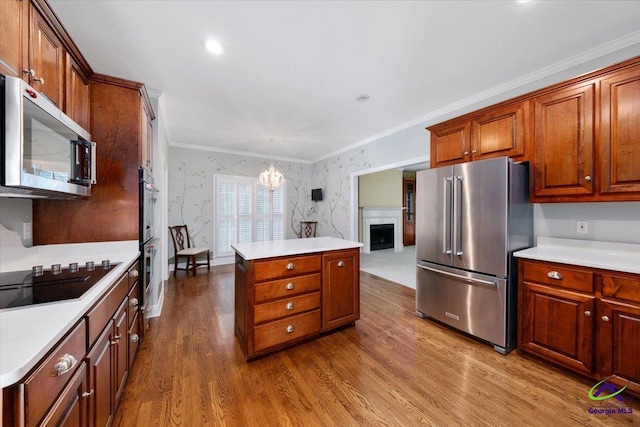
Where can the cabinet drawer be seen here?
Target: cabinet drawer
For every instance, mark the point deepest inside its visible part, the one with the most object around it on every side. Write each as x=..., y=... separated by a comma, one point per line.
x=625, y=288
x=285, y=307
x=558, y=275
x=287, y=287
x=286, y=330
x=134, y=302
x=44, y=385
x=100, y=314
x=286, y=267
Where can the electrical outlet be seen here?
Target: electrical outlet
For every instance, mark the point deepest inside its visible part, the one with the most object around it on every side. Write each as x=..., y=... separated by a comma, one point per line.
x=582, y=227
x=27, y=231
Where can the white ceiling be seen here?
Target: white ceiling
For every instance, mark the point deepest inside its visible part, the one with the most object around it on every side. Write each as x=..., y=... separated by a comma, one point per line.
x=293, y=69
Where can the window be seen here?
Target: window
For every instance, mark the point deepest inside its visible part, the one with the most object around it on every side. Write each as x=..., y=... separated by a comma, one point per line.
x=245, y=211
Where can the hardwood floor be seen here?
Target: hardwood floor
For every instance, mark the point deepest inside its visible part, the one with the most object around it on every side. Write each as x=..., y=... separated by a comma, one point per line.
x=391, y=369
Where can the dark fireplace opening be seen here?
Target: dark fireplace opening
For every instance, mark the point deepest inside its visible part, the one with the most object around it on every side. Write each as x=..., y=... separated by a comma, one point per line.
x=381, y=236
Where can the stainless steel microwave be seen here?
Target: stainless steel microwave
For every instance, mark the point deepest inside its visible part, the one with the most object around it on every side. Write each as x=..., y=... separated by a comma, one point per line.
x=45, y=154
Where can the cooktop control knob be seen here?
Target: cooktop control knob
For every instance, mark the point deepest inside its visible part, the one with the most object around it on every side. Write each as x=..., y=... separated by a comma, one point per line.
x=106, y=264
x=55, y=269
x=37, y=271
x=73, y=267
x=89, y=266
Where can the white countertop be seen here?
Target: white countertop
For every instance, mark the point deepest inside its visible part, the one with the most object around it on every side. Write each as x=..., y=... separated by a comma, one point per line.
x=275, y=248
x=28, y=333
x=623, y=257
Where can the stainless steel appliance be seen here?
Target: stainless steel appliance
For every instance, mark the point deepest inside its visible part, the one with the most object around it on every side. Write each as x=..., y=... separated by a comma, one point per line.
x=470, y=218
x=44, y=152
x=39, y=285
x=148, y=242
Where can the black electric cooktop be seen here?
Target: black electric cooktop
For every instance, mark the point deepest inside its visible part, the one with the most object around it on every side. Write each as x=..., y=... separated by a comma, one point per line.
x=22, y=288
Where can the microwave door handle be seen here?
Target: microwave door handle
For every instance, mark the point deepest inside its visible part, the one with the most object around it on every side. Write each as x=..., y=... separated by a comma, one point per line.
x=94, y=160
x=446, y=217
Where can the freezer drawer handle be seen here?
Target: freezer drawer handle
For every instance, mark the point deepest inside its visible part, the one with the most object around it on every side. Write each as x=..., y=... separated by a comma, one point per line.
x=457, y=276
x=554, y=275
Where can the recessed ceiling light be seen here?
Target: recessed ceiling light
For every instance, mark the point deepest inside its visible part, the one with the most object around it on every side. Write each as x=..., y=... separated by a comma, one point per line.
x=362, y=98
x=214, y=46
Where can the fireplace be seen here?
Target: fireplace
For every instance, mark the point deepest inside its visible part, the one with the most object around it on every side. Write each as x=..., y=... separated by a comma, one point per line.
x=381, y=236
x=389, y=218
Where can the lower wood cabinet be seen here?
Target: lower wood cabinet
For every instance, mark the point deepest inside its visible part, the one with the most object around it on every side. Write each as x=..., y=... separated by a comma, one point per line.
x=282, y=301
x=71, y=408
x=583, y=319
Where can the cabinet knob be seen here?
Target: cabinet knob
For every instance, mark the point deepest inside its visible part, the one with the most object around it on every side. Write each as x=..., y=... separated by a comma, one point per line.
x=290, y=306
x=134, y=338
x=88, y=393
x=133, y=273
x=134, y=302
x=554, y=275
x=290, y=329
x=65, y=364
x=466, y=153
x=587, y=178
x=340, y=263
x=474, y=151
x=290, y=286
x=291, y=266
x=605, y=318
x=587, y=313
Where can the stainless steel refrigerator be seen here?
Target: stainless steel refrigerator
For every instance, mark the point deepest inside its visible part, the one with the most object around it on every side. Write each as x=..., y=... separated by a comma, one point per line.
x=470, y=218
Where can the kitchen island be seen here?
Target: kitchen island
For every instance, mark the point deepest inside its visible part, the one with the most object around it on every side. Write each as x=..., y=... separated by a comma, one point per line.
x=289, y=291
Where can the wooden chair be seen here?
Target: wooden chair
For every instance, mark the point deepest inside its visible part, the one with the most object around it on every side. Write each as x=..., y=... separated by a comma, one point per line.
x=308, y=228
x=182, y=249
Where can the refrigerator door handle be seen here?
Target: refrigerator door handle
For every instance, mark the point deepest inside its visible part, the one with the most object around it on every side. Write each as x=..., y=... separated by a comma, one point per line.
x=446, y=217
x=457, y=276
x=457, y=216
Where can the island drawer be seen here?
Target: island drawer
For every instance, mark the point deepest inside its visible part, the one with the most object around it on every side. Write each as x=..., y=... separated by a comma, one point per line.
x=559, y=275
x=287, y=267
x=287, y=287
x=44, y=385
x=286, y=330
x=621, y=287
x=285, y=307
x=99, y=315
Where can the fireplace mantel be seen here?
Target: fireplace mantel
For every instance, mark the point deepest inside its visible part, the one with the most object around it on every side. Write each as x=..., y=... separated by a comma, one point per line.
x=382, y=215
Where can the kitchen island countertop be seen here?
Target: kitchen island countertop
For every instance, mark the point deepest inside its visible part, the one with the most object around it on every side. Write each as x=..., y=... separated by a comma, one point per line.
x=624, y=257
x=28, y=333
x=275, y=248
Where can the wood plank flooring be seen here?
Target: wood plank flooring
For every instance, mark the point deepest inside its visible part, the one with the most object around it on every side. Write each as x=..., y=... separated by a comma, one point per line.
x=391, y=369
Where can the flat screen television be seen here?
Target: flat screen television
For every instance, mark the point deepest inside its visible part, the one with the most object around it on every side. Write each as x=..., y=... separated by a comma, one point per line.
x=316, y=194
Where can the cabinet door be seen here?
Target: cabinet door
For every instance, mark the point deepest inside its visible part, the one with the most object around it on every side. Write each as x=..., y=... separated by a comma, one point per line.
x=450, y=144
x=557, y=325
x=120, y=343
x=70, y=410
x=100, y=379
x=618, y=344
x=14, y=18
x=620, y=133
x=340, y=288
x=563, y=142
x=46, y=56
x=76, y=93
x=499, y=132
x=409, y=219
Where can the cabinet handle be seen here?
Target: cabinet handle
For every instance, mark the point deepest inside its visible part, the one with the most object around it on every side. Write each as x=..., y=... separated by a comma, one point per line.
x=290, y=306
x=290, y=329
x=554, y=275
x=340, y=263
x=88, y=393
x=31, y=72
x=587, y=178
x=39, y=79
x=290, y=286
x=65, y=364
x=587, y=313
x=605, y=318
x=466, y=153
x=134, y=302
x=133, y=273
x=291, y=266
x=135, y=338
x=474, y=151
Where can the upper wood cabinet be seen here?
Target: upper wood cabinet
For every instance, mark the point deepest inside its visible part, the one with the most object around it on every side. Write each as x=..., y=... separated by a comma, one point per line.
x=620, y=133
x=14, y=27
x=563, y=138
x=490, y=133
x=76, y=93
x=46, y=59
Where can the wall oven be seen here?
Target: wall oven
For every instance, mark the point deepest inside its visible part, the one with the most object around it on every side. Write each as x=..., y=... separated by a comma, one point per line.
x=44, y=152
x=148, y=243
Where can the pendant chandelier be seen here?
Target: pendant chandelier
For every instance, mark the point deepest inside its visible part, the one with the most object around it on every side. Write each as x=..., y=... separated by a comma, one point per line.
x=271, y=179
